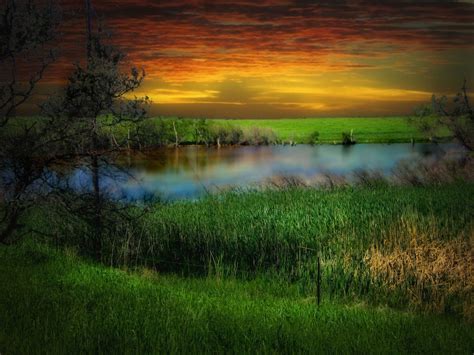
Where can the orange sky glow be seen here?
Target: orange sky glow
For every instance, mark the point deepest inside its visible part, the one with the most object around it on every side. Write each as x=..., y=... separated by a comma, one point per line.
x=276, y=58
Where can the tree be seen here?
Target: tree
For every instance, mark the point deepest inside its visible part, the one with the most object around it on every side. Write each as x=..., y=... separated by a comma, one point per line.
x=72, y=127
x=457, y=117
x=95, y=98
x=27, y=31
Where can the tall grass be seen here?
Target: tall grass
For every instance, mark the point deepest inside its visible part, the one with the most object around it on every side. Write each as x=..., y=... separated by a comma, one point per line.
x=278, y=233
x=426, y=271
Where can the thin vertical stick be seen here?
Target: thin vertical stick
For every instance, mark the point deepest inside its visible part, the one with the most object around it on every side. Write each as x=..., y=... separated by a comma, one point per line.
x=89, y=29
x=318, y=292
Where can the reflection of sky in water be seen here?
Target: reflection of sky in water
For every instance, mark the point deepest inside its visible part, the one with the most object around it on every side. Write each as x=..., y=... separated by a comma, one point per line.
x=190, y=171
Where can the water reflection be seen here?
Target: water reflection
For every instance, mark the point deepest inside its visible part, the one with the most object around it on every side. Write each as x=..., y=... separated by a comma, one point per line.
x=190, y=171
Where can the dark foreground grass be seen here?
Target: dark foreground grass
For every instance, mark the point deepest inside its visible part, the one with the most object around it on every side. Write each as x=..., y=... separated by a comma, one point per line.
x=52, y=302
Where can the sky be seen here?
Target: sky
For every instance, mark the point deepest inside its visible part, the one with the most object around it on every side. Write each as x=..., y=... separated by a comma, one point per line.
x=278, y=58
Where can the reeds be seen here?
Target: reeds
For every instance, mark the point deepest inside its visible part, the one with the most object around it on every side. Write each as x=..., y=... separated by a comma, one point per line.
x=429, y=272
x=365, y=237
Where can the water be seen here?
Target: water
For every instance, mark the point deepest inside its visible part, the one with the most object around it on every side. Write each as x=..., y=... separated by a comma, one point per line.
x=191, y=171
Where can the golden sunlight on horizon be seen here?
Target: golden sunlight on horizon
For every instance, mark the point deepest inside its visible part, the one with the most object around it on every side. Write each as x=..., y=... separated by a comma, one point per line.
x=284, y=58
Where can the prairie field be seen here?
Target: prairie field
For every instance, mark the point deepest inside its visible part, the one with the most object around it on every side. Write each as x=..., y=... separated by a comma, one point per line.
x=365, y=129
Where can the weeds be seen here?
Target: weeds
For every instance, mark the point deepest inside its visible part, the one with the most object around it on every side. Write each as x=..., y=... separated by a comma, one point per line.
x=430, y=272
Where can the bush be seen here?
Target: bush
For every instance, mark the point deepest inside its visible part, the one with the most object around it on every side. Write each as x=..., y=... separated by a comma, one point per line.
x=348, y=138
x=152, y=133
x=235, y=135
x=202, y=133
x=260, y=136
x=313, y=138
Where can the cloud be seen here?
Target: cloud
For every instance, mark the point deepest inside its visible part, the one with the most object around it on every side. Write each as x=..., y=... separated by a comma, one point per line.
x=252, y=53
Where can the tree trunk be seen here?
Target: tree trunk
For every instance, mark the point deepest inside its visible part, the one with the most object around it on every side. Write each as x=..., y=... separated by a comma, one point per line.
x=176, y=141
x=89, y=30
x=97, y=242
x=10, y=228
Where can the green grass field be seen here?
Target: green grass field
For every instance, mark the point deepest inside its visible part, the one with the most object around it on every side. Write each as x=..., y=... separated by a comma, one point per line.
x=365, y=130
x=53, y=302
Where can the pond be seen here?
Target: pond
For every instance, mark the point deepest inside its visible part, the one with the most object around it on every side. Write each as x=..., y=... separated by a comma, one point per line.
x=192, y=171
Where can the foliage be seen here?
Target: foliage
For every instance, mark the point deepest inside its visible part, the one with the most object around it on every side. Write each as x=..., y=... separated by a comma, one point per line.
x=99, y=88
x=313, y=137
x=93, y=90
x=73, y=126
x=458, y=118
x=259, y=136
x=27, y=28
x=348, y=138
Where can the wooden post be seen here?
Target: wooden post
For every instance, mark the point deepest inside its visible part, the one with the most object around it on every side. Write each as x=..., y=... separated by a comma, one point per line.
x=128, y=138
x=318, y=290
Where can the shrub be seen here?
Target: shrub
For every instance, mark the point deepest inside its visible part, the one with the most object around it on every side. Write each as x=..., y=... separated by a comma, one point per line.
x=226, y=135
x=202, y=133
x=235, y=135
x=151, y=133
x=260, y=136
x=313, y=138
x=348, y=138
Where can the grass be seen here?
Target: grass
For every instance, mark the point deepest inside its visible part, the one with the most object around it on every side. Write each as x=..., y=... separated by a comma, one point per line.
x=365, y=130
x=278, y=233
x=54, y=302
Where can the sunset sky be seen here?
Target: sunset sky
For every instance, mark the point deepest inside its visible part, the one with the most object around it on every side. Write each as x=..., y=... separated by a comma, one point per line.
x=264, y=59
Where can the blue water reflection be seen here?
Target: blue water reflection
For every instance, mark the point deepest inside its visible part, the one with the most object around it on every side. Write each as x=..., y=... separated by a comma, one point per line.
x=191, y=171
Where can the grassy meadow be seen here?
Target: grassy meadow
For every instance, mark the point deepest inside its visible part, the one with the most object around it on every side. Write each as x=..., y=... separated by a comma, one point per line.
x=54, y=302
x=365, y=129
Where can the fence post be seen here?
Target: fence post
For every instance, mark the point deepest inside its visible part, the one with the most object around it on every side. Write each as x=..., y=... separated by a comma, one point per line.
x=318, y=290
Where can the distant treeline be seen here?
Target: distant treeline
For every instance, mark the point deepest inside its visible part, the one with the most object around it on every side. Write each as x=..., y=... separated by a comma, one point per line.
x=155, y=132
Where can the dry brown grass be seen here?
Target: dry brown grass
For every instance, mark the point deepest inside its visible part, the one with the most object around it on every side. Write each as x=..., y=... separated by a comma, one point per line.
x=449, y=169
x=435, y=275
